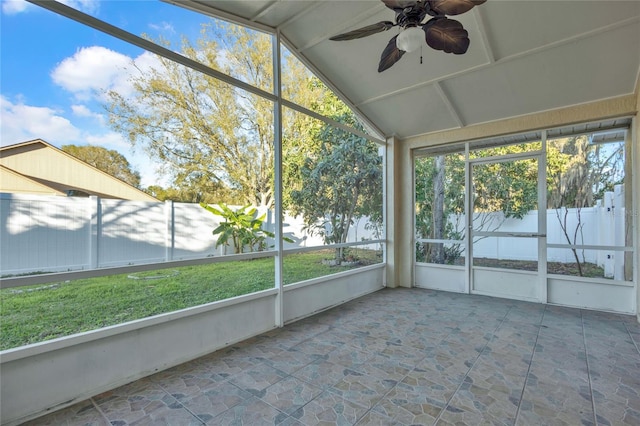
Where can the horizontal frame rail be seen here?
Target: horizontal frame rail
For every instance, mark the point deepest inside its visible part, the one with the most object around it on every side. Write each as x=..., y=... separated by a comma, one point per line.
x=508, y=234
x=331, y=246
x=434, y=240
x=590, y=247
x=21, y=281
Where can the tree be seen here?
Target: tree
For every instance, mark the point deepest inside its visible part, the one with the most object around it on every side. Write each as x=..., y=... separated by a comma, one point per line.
x=187, y=194
x=501, y=190
x=212, y=139
x=578, y=173
x=440, y=195
x=299, y=140
x=341, y=181
x=438, y=208
x=109, y=161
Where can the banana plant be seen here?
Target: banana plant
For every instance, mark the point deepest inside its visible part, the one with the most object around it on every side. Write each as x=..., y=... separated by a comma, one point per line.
x=241, y=227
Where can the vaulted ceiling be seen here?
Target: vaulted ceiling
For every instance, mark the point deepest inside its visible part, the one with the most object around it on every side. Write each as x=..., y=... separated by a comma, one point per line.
x=524, y=57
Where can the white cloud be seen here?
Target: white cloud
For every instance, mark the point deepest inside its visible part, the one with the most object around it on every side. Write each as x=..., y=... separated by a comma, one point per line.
x=13, y=7
x=94, y=70
x=164, y=27
x=110, y=140
x=22, y=122
x=85, y=112
x=87, y=6
x=90, y=71
x=82, y=111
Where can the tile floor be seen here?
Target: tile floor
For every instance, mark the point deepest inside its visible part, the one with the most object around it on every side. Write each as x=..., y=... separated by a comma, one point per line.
x=399, y=357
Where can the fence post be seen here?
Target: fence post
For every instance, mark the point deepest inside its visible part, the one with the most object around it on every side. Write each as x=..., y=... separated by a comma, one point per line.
x=170, y=230
x=608, y=233
x=94, y=230
x=619, y=231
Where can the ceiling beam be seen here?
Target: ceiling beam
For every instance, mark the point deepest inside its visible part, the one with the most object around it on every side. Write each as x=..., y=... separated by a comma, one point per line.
x=450, y=107
x=482, y=27
x=312, y=6
x=265, y=10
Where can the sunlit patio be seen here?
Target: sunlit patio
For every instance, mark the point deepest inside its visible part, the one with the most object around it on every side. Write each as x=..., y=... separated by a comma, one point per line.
x=400, y=356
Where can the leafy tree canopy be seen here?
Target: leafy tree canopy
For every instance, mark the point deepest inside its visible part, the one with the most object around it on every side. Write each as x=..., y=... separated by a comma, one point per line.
x=341, y=178
x=186, y=195
x=579, y=172
x=213, y=139
x=109, y=161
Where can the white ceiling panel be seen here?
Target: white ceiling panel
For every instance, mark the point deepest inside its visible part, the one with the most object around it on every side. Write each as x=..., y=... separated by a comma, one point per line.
x=514, y=27
x=408, y=114
x=572, y=73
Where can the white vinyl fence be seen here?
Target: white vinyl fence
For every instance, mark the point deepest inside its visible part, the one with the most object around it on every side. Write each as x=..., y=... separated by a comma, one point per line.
x=602, y=225
x=54, y=234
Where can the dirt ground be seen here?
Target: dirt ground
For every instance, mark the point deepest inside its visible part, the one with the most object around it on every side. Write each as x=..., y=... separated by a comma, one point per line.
x=588, y=269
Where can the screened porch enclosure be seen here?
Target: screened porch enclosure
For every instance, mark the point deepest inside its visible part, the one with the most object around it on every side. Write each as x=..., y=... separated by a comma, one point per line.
x=454, y=239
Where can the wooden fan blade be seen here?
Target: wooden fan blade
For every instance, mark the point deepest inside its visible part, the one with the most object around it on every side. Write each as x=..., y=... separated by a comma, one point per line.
x=454, y=7
x=390, y=55
x=399, y=4
x=364, y=31
x=446, y=34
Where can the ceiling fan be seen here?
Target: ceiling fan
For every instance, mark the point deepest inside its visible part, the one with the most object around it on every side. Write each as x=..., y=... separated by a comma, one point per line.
x=440, y=32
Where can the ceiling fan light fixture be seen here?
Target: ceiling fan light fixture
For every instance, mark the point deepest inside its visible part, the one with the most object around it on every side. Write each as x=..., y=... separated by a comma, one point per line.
x=410, y=39
x=439, y=32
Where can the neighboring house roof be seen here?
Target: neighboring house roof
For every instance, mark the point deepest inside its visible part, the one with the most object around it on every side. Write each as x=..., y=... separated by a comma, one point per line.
x=37, y=167
x=14, y=182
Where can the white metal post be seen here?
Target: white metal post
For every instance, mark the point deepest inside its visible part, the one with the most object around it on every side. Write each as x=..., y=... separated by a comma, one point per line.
x=277, y=140
x=542, y=220
x=468, y=214
x=382, y=150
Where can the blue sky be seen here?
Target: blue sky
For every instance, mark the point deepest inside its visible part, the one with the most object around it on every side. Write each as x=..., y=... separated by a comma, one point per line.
x=53, y=71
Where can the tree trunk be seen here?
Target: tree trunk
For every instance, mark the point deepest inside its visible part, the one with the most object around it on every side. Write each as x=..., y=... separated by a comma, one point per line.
x=438, y=210
x=563, y=226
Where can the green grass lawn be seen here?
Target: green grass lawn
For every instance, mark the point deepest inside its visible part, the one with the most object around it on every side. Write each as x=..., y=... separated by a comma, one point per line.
x=38, y=313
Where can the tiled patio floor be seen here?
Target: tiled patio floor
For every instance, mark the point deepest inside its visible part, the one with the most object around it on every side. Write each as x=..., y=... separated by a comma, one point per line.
x=400, y=357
